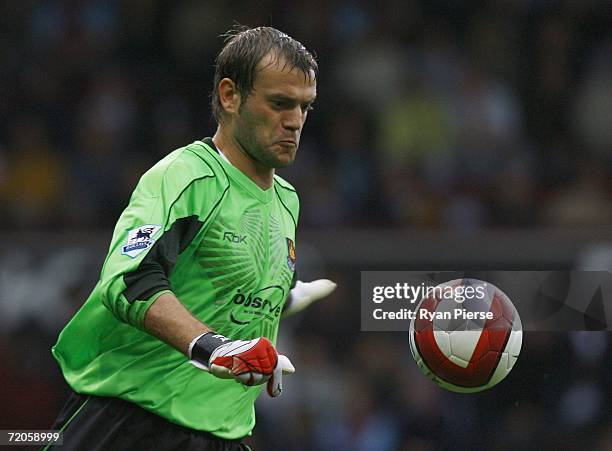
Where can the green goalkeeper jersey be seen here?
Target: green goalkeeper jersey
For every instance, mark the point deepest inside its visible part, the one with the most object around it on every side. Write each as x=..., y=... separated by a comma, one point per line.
x=199, y=227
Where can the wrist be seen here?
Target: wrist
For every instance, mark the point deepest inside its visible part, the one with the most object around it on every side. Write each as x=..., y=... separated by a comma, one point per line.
x=201, y=347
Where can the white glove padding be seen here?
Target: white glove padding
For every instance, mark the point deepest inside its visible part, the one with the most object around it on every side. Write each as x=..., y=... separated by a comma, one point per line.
x=275, y=383
x=305, y=293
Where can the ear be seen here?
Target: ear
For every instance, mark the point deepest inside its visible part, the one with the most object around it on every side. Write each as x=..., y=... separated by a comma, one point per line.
x=229, y=96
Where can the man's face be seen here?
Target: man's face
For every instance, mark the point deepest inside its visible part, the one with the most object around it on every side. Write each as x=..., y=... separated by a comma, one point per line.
x=270, y=119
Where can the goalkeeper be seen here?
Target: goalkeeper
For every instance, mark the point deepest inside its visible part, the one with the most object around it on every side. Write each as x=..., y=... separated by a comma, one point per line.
x=177, y=339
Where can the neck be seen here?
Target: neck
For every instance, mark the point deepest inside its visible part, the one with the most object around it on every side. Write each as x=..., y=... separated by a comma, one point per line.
x=237, y=155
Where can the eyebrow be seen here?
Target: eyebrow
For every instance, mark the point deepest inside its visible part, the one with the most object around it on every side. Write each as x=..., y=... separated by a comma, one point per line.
x=286, y=98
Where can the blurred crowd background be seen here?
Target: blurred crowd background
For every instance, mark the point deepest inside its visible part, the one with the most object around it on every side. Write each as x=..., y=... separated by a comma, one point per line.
x=446, y=117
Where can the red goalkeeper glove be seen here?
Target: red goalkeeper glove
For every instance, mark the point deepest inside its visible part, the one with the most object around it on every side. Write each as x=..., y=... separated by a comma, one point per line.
x=250, y=362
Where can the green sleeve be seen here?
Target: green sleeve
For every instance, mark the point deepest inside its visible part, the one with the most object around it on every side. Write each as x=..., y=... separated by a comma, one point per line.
x=163, y=217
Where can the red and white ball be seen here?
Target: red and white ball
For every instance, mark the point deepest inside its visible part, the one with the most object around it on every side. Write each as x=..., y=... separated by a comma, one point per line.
x=466, y=355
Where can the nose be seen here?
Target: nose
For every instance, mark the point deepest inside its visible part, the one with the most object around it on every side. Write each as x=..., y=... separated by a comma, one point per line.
x=293, y=119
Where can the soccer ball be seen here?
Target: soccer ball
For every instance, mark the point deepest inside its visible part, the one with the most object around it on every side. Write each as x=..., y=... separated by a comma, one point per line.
x=466, y=344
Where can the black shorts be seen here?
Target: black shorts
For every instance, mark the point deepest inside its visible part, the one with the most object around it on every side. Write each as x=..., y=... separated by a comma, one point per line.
x=100, y=423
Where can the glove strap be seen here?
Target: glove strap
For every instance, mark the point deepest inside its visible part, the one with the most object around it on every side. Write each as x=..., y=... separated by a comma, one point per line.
x=203, y=346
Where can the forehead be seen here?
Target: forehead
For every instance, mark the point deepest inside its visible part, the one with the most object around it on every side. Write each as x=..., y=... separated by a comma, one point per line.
x=276, y=75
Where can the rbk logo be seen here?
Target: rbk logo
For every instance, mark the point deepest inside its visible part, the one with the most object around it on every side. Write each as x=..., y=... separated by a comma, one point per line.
x=233, y=238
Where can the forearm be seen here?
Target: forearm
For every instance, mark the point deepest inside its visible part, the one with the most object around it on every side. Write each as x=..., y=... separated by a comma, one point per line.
x=250, y=362
x=169, y=320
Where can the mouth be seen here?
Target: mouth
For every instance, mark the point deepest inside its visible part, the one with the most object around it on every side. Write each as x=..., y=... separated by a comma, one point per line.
x=288, y=142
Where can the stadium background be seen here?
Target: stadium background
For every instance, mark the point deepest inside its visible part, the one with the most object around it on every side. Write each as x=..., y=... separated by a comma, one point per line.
x=446, y=135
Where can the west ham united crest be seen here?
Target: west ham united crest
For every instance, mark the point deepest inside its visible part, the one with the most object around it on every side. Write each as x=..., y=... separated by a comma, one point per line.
x=290, y=254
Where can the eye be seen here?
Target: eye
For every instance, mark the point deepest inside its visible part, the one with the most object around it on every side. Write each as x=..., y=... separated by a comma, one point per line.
x=307, y=107
x=278, y=104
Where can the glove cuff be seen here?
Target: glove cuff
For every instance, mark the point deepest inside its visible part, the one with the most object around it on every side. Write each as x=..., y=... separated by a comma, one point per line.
x=202, y=347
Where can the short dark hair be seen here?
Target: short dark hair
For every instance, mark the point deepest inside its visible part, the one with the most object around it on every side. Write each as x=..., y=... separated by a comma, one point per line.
x=243, y=50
